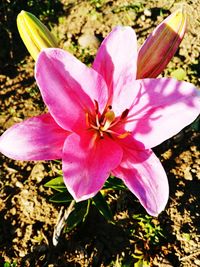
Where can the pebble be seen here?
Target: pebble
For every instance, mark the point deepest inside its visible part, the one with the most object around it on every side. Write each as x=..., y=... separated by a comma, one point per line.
x=37, y=172
x=187, y=174
x=197, y=262
x=147, y=13
x=13, y=211
x=19, y=184
x=88, y=40
x=22, y=254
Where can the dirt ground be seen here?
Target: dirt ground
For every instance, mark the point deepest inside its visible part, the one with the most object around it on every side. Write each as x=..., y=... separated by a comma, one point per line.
x=28, y=218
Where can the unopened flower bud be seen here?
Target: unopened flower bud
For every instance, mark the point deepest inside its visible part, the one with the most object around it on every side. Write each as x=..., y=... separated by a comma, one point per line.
x=161, y=45
x=34, y=33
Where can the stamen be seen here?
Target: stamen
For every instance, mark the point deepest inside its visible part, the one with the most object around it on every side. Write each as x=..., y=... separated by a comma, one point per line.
x=120, y=136
x=96, y=105
x=124, y=135
x=108, y=119
x=124, y=114
x=87, y=119
x=101, y=134
x=97, y=120
x=119, y=119
x=104, y=123
x=94, y=127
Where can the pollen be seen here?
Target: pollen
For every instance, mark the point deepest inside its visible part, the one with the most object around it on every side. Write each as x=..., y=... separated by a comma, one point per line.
x=108, y=119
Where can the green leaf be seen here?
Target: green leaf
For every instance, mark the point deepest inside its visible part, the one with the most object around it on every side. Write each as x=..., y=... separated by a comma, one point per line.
x=114, y=183
x=61, y=197
x=103, y=207
x=78, y=215
x=141, y=263
x=196, y=125
x=178, y=74
x=8, y=264
x=57, y=184
x=186, y=236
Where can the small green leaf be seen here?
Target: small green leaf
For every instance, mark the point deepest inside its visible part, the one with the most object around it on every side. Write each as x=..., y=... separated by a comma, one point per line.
x=114, y=183
x=186, y=236
x=57, y=184
x=196, y=125
x=103, y=207
x=8, y=264
x=78, y=215
x=141, y=263
x=178, y=74
x=61, y=197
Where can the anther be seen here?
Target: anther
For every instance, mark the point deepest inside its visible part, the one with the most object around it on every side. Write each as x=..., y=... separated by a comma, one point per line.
x=124, y=135
x=96, y=107
x=124, y=114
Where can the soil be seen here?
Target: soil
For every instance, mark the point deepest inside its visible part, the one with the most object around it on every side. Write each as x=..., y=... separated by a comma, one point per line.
x=27, y=216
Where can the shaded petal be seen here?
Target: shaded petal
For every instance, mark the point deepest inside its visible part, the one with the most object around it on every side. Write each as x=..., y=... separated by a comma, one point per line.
x=125, y=99
x=38, y=138
x=127, y=142
x=87, y=163
x=68, y=87
x=116, y=59
x=162, y=108
x=144, y=175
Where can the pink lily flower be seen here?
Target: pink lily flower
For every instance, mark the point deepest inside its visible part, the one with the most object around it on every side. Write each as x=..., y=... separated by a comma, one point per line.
x=102, y=120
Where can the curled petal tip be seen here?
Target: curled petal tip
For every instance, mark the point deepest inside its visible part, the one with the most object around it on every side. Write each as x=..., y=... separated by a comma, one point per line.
x=161, y=45
x=34, y=33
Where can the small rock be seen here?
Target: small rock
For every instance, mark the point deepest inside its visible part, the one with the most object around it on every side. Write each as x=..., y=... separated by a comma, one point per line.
x=179, y=193
x=37, y=172
x=22, y=254
x=19, y=184
x=187, y=174
x=167, y=155
x=13, y=211
x=88, y=40
x=197, y=262
x=147, y=13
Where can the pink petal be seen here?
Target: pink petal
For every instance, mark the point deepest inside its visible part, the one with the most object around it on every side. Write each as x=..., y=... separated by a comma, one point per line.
x=128, y=142
x=87, y=163
x=125, y=99
x=116, y=59
x=38, y=138
x=68, y=87
x=144, y=175
x=162, y=108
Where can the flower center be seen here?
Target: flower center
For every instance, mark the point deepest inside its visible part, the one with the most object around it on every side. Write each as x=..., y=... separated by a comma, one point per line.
x=104, y=123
